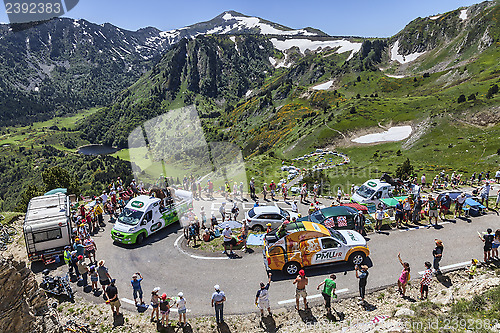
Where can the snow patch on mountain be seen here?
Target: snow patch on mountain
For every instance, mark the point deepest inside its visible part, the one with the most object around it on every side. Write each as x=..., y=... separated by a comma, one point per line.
x=303, y=44
x=403, y=59
x=323, y=86
x=435, y=17
x=265, y=29
x=463, y=14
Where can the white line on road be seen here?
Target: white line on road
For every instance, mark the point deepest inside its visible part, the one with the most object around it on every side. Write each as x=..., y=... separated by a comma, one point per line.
x=340, y=291
x=460, y=264
x=129, y=301
x=176, y=244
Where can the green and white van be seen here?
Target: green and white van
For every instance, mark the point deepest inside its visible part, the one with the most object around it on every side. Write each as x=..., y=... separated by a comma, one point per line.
x=145, y=215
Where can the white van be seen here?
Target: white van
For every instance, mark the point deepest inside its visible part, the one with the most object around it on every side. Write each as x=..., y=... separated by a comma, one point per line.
x=372, y=191
x=145, y=215
x=47, y=227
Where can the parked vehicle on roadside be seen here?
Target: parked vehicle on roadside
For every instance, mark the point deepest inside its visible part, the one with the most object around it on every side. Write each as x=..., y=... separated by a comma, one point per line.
x=258, y=217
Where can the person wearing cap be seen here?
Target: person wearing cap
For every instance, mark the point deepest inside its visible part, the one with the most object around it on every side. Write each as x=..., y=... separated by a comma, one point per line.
x=181, y=309
x=74, y=263
x=164, y=309
x=362, y=275
x=269, y=228
x=228, y=240
x=445, y=205
x=359, y=222
x=472, y=269
x=328, y=291
x=311, y=209
x=235, y=211
x=252, y=188
x=218, y=299
x=104, y=277
x=262, y=297
x=301, y=282
x=67, y=258
x=437, y=253
x=282, y=229
x=433, y=209
x=213, y=222
x=256, y=204
x=136, y=287
x=98, y=211
x=112, y=297
x=90, y=248
x=78, y=247
x=83, y=270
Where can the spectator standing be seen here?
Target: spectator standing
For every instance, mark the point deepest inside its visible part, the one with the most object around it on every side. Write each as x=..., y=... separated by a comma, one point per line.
x=67, y=258
x=303, y=193
x=417, y=208
x=94, y=277
x=113, y=300
x=445, y=206
x=104, y=277
x=262, y=297
x=295, y=209
x=433, y=209
x=241, y=191
x=437, y=253
x=235, y=211
x=488, y=244
x=272, y=188
x=399, y=213
x=359, y=223
x=498, y=198
x=459, y=204
x=136, y=287
x=362, y=275
x=218, y=299
x=164, y=309
x=222, y=211
x=83, y=270
x=228, y=240
x=78, y=247
x=181, y=309
x=90, y=248
x=404, y=277
x=252, y=188
x=423, y=180
x=485, y=194
x=244, y=234
x=329, y=286
x=264, y=191
x=379, y=216
x=426, y=280
x=301, y=282
x=495, y=244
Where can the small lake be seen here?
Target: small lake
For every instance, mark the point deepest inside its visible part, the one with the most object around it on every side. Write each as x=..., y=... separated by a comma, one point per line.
x=97, y=150
x=396, y=133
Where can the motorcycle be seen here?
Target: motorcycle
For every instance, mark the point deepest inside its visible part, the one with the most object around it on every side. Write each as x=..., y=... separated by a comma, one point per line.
x=58, y=285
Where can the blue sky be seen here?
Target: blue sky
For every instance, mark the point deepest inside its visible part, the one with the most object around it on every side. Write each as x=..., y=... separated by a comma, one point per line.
x=367, y=18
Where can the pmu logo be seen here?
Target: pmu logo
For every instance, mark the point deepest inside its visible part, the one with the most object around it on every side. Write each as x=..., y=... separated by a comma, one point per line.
x=26, y=11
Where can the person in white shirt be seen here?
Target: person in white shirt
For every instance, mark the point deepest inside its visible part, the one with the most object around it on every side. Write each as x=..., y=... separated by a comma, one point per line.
x=181, y=309
x=379, y=216
x=459, y=205
x=485, y=194
x=228, y=240
x=104, y=197
x=262, y=297
x=294, y=206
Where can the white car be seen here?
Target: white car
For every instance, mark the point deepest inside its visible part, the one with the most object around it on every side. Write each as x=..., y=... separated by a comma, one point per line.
x=258, y=217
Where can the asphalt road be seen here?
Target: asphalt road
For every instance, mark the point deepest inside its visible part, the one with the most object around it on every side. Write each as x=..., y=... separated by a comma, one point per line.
x=162, y=264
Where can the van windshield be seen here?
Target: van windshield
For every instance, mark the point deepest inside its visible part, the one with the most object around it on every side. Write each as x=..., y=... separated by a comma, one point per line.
x=130, y=216
x=365, y=192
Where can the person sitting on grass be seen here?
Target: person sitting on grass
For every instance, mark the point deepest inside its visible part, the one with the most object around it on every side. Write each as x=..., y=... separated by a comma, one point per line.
x=472, y=269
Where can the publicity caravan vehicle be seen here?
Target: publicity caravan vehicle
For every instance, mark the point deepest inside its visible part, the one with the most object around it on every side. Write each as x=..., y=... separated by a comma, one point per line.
x=145, y=215
x=371, y=192
x=335, y=217
x=47, y=227
x=306, y=244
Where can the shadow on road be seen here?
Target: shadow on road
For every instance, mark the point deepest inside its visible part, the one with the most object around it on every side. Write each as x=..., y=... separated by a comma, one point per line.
x=118, y=320
x=156, y=237
x=223, y=328
x=368, y=306
x=339, y=316
x=39, y=266
x=341, y=268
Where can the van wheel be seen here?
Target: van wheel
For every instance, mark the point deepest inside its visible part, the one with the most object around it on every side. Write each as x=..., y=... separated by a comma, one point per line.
x=357, y=258
x=140, y=239
x=257, y=228
x=291, y=268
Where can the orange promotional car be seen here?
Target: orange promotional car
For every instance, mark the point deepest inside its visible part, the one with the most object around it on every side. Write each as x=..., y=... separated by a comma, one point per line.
x=303, y=244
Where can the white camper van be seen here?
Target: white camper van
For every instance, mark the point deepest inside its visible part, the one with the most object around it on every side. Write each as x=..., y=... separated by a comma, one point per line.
x=145, y=215
x=47, y=227
x=372, y=191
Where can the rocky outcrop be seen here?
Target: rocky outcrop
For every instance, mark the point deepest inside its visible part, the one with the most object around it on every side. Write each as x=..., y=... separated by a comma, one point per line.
x=22, y=303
